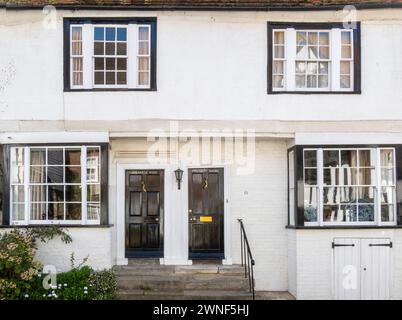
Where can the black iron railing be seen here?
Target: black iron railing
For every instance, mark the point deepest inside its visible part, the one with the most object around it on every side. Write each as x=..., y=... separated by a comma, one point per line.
x=247, y=257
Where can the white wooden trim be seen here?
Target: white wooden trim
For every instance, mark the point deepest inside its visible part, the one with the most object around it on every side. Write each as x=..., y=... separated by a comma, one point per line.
x=87, y=51
x=336, y=58
x=290, y=55
x=346, y=138
x=53, y=137
x=132, y=47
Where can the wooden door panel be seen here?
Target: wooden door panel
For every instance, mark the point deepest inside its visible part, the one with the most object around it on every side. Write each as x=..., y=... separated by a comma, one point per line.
x=144, y=213
x=153, y=203
x=135, y=232
x=206, y=213
x=135, y=203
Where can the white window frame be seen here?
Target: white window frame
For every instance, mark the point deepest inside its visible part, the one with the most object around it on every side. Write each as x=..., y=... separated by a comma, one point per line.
x=76, y=56
x=88, y=39
x=144, y=55
x=377, y=189
x=84, y=183
x=93, y=56
x=334, y=60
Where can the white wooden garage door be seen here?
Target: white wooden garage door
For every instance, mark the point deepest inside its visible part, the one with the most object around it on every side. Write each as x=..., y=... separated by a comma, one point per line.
x=362, y=268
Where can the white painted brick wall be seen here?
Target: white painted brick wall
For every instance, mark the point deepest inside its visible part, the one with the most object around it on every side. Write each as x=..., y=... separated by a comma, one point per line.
x=92, y=242
x=264, y=212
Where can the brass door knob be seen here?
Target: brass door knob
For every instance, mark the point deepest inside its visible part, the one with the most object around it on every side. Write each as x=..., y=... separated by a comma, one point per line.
x=190, y=211
x=156, y=219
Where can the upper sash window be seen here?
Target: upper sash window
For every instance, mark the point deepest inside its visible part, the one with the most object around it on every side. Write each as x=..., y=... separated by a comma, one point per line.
x=313, y=58
x=115, y=55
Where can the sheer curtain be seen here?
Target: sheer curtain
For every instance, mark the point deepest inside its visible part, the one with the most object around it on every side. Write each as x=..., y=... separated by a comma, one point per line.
x=38, y=192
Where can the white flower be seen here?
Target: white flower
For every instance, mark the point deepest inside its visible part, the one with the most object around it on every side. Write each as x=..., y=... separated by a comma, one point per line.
x=65, y=284
x=44, y=295
x=26, y=296
x=39, y=275
x=85, y=288
x=49, y=295
x=85, y=292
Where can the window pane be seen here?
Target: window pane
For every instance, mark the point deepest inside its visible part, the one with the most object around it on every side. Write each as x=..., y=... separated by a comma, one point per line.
x=387, y=213
x=99, y=77
x=365, y=158
x=38, y=175
x=331, y=195
x=310, y=176
x=73, y=174
x=277, y=81
x=110, y=48
x=346, y=52
x=301, y=52
x=38, y=156
x=55, y=193
x=76, y=33
x=312, y=68
x=366, y=195
x=346, y=37
x=143, y=64
x=73, y=193
x=387, y=157
x=99, y=48
x=38, y=211
x=313, y=52
x=347, y=195
x=278, y=67
x=93, y=211
x=366, y=213
x=345, y=67
x=300, y=67
x=17, y=175
x=310, y=158
x=387, y=177
x=121, y=64
x=324, y=52
x=301, y=38
x=279, y=52
x=99, y=33
x=110, y=64
x=331, y=176
x=323, y=68
x=110, y=78
x=18, y=193
x=73, y=211
x=143, y=33
x=331, y=158
x=122, y=49
x=366, y=176
x=331, y=213
x=348, y=176
x=38, y=193
x=110, y=34
x=93, y=193
x=279, y=37
x=387, y=195
x=73, y=156
x=76, y=48
x=310, y=204
x=143, y=48
x=312, y=38
x=143, y=78
x=121, y=78
x=324, y=38
x=348, y=213
x=56, y=211
x=55, y=156
x=311, y=81
x=121, y=34
x=18, y=212
x=349, y=158
x=300, y=81
x=17, y=156
x=322, y=81
x=345, y=82
x=99, y=64
x=55, y=174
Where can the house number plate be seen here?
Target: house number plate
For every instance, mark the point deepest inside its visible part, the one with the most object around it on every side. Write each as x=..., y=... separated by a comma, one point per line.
x=206, y=219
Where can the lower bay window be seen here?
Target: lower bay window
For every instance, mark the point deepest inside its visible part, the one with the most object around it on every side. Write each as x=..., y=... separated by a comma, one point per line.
x=346, y=186
x=55, y=185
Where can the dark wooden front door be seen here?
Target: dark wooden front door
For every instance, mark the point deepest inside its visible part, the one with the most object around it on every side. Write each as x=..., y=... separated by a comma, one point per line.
x=206, y=212
x=144, y=213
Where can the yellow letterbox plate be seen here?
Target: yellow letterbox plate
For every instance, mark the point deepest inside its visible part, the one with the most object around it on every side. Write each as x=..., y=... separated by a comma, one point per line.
x=206, y=219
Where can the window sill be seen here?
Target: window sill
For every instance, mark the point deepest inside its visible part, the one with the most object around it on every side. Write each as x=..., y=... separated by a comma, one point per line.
x=314, y=92
x=342, y=227
x=109, y=89
x=58, y=225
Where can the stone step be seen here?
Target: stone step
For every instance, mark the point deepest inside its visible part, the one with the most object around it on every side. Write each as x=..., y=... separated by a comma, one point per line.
x=144, y=262
x=185, y=295
x=174, y=282
x=138, y=270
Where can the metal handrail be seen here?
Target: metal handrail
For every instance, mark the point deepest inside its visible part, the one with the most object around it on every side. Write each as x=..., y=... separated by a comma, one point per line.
x=247, y=258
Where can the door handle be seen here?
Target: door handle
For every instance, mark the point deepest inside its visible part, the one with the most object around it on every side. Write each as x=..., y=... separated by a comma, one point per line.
x=190, y=211
x=143, y=186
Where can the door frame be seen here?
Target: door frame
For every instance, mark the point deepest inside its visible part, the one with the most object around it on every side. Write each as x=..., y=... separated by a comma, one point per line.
x=226, y=215
x=121, y=203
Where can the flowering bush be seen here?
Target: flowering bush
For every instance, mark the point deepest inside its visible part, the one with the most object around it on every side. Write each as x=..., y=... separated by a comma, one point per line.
x=18, y=268
x=17, y=264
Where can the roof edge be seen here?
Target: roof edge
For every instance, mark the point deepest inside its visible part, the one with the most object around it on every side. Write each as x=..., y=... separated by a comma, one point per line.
x=336, y=7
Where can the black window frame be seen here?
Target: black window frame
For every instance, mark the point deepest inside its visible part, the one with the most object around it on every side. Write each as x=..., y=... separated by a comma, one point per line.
x=299, y=186
x=152, y=21
x=316, y=26
x=104, y=185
